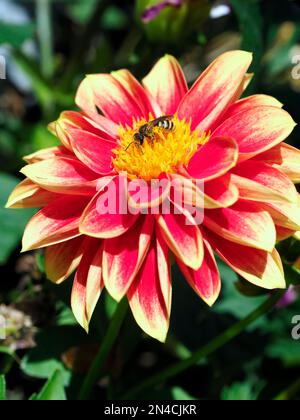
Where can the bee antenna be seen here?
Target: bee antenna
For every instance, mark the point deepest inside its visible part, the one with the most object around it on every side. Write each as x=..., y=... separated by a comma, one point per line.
x=129, y=146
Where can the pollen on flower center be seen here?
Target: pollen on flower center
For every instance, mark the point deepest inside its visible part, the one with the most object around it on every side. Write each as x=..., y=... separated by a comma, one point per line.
x=164, y=152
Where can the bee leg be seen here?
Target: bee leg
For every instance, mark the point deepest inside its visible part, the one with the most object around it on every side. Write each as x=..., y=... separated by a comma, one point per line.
x=140, y=148
x=152, y=138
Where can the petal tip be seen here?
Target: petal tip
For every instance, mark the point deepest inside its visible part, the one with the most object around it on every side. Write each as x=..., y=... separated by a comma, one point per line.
x=25, y=248
x=9, y=204
x=161, y=337
x=114, y=293
x=212, y=300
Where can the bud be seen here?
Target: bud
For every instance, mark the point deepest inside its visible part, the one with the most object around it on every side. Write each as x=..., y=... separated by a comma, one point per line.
x=171, y=20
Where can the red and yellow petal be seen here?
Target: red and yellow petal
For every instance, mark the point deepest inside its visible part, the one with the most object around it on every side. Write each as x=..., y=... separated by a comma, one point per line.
x=88, y=284
x=93, y=151
x=58, y=222
x=262, y=182
x=183, y=238
x=215, y=90
x=283, y=233
x=257, y=129
x=61, y=260
x=206, y=281
x=284, y=157
x=29, y=195
x=243, y=223
x=147, y=102
x=167, y=94
x=62, y=175
x=247, y=79
x=214, y=159
x=150, y=294
x=164, y=270
x=286, y=215
x=107, y=215
x=105, y=129
x=49, y=153
x=119, y=96
x=261, y=268
x=214, y=194
x=142, y=195
x=250, y=102
x=123, y=257
x=220, y=193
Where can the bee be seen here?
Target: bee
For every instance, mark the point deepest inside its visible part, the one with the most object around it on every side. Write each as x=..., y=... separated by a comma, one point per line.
x=146, y=131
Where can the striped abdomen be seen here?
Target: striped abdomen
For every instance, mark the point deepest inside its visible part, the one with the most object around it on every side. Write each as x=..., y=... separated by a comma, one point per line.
x=166, y=124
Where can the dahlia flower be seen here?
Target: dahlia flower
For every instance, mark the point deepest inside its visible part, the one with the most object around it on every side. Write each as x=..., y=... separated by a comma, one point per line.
x=223, y=152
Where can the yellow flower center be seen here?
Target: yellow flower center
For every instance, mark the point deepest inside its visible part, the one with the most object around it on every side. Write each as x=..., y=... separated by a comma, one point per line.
x=162, y=150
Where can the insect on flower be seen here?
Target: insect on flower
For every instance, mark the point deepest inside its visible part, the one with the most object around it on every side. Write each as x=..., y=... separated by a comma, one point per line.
x=146, y=130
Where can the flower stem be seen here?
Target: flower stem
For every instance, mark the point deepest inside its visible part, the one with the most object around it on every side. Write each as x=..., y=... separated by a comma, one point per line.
x=205, y=351
x=43, y=11
x=112, y=333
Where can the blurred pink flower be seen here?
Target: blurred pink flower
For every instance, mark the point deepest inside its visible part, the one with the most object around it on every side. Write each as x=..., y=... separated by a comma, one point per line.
x=153, y=11
x=289, y=297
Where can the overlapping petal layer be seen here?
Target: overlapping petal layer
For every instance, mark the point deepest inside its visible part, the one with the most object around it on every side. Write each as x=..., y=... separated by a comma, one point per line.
x=150, y=294
x=243, y=223
x=264, y=269
x=62, y=175
x=206, y=280
x=257, y=129
x=167, y=95
x=61, y=260
x=88, y=284
x=55, y=223
x=27, y=194
x=123, y=256
x=215, y=90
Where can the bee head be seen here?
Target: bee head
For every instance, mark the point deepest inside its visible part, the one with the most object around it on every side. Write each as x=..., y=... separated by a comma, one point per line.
x=139, y=138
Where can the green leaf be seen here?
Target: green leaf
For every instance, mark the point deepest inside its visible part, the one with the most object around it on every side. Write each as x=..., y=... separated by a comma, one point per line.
x=232, y=301
x=12, y=222
x=2, y=388
x=53, y=389
x=15, y=35
x=285, y=349
x=181, y=394
x=7, y=351
x=65, y=315
x=46, y=358
x=240, y=392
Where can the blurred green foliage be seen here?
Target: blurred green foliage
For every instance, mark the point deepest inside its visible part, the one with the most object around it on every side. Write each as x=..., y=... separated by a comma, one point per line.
x=174, y=24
